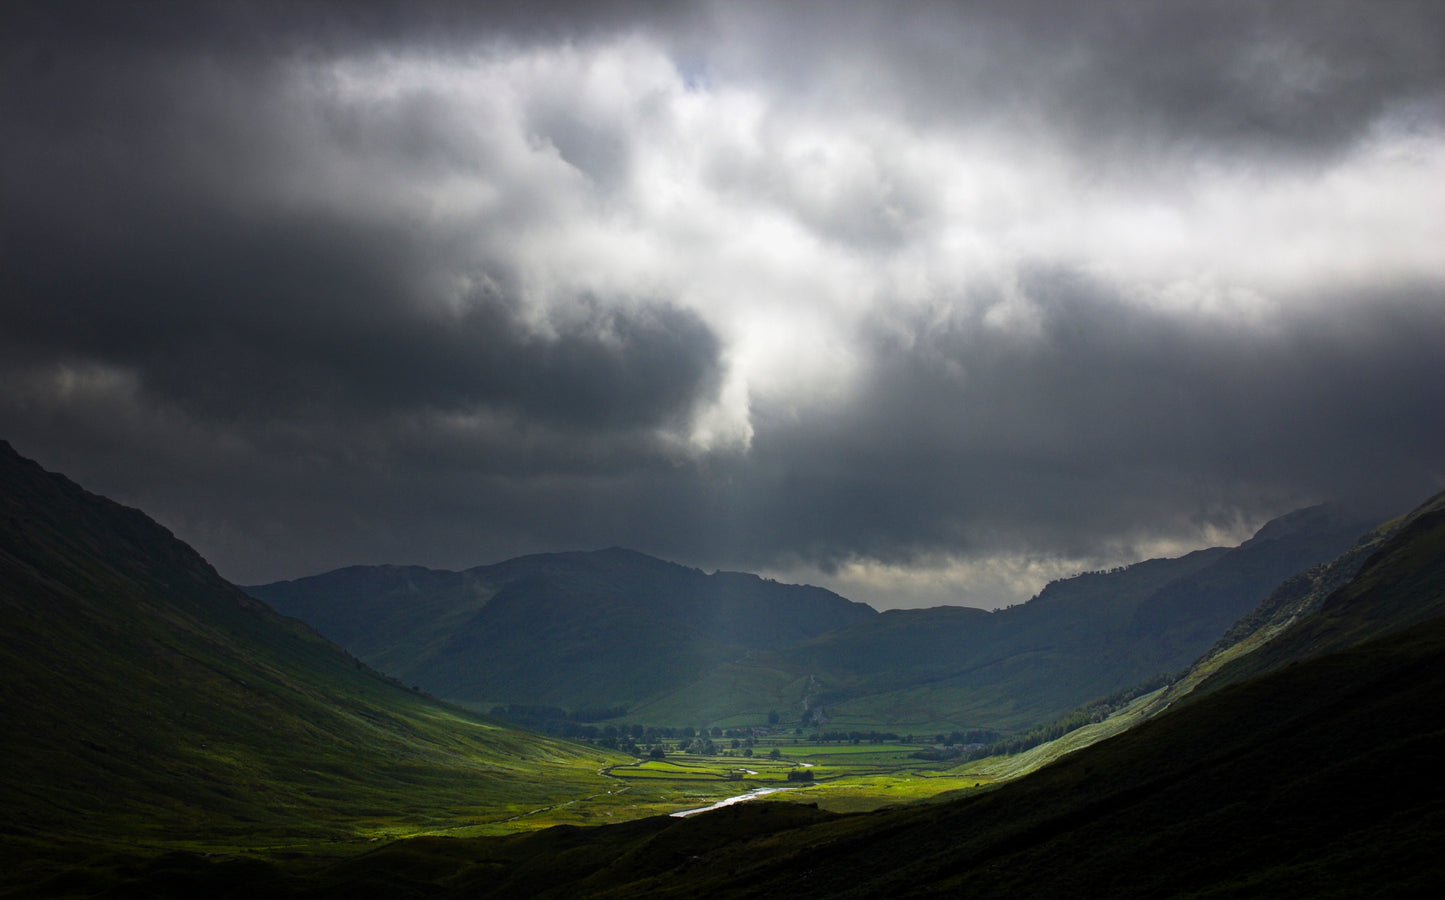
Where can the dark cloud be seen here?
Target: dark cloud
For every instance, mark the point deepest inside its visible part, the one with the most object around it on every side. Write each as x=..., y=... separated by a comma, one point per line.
x=746, y=285
x=314, y=318
x=1295, y=78
x=1109, y=423
x=252, y=29
x=149, y=228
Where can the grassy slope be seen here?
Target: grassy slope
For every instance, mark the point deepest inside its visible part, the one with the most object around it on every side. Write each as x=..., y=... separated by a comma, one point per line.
x=1399, y=584
x=147, y=701
x=1285, y=628
x=1317, y=779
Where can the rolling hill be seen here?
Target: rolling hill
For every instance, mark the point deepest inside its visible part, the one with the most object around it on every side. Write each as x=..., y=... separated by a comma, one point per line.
x=151, y=706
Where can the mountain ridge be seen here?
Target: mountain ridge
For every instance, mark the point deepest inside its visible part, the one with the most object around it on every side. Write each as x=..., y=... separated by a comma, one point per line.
x=518, y=630
x=475, y=636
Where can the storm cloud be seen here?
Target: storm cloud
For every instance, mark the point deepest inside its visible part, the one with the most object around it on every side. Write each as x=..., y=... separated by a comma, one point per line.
x=928, y=303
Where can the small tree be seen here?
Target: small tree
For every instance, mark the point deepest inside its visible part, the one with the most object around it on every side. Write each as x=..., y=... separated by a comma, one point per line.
x=775, y=753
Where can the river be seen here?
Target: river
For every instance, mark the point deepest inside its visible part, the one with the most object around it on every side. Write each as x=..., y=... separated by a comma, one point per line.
x=729, y=801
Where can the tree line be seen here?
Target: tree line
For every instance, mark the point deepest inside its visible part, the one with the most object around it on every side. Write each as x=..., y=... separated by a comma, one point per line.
x=635, y=738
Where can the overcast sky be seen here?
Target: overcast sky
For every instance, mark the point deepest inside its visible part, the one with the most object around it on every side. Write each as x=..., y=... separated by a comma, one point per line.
x=926, y=303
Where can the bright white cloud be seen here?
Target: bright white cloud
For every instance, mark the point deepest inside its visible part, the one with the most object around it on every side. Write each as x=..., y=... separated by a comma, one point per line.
x=599, y=170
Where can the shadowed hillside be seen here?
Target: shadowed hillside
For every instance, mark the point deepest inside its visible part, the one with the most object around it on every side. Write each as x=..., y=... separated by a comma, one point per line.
x=149, y=702
x=605, y=628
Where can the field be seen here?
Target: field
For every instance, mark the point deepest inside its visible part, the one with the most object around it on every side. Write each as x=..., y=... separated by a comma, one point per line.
x=583, y=787
x=846, y=778
x=586, y=788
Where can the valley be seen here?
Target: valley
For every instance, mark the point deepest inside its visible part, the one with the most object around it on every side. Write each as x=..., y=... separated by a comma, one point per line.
x=722, y=449
x=168, y=732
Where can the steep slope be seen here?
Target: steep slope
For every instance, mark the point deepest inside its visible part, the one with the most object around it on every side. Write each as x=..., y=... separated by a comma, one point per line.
x=1390, y=580
x=905, y=645
x=1318, y=779
x=603, y=628
x=1186, y=617
x=146, y=700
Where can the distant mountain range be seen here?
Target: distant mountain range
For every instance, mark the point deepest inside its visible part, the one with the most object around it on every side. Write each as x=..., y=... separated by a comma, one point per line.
x=615, y=628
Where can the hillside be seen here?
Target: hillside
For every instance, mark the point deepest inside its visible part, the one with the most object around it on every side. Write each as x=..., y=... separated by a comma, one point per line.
x=605, y=628
x=1317, y=779
x=147, y=701
x=1316, y=611
x=1390, y=580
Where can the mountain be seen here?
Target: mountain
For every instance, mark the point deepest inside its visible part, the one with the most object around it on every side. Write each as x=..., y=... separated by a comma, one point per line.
x=1390, y=580
x=148, y=702
x=1316, y=778
x=616, y=628
x=1081, y=638
x=604, y=628
x=1007, y=668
